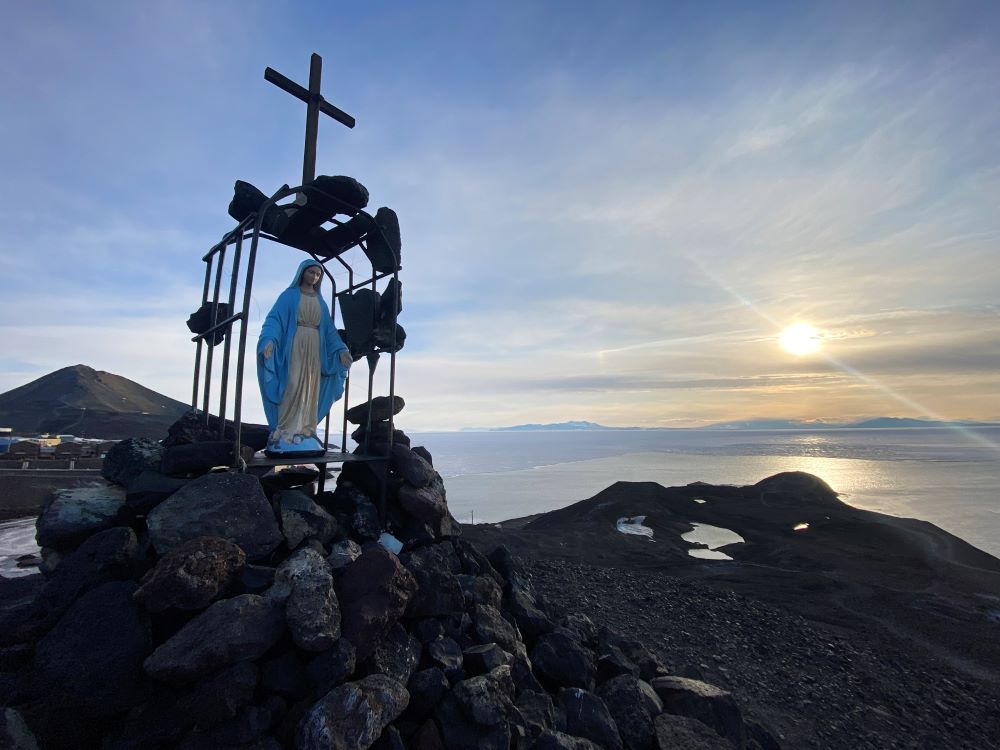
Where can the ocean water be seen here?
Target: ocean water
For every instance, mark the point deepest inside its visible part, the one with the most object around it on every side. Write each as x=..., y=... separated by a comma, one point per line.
x=946, y=476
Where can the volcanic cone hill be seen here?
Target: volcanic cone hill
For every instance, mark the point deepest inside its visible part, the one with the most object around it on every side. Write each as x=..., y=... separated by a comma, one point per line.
x=85, y=402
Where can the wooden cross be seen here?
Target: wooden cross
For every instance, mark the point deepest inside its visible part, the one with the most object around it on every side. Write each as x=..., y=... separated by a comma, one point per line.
x=315, y=104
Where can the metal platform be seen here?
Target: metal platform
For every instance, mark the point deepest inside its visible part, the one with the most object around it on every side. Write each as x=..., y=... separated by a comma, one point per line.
x=331, y=457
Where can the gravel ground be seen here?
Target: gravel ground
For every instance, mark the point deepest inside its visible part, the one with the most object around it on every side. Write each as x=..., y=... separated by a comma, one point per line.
x=812, y=687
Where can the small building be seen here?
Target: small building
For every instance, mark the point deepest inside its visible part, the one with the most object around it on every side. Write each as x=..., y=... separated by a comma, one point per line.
x=24, y=449
x=68, y=450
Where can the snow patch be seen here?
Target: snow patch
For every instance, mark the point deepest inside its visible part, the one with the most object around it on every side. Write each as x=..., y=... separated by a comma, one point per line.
x=634, y=525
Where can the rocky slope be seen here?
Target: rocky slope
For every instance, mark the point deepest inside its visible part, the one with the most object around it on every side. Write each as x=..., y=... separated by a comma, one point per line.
x=187, y=608
x=861, y=630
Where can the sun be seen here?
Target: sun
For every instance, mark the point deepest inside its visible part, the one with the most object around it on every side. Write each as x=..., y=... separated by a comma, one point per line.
x=800, y=339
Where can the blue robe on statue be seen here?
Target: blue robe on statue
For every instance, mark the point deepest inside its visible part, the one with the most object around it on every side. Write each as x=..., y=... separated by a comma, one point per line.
x=279, y=328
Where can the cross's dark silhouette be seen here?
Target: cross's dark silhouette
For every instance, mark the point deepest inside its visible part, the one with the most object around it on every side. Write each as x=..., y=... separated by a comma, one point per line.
x=315, y=104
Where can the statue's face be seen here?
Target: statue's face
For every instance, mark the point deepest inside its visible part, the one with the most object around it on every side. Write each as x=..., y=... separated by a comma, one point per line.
x=311, y=276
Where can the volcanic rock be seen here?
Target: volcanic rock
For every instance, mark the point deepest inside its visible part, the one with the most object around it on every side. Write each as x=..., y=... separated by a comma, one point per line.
x=255, y=579
x=563, y=662
x=358, y=311
x=191, y=428
x=151, y=488
x=302, y=519
x=191, y=575
x=424, y=503
x=206, y=316
x=396, y=656
x=379, y=434
x=459, y=732
x=388, y=337
x=108, y=555
x=486, y=699
x=412, y=467
x=128, y=458
x=194, y=459
x=391, y=303
x=426, y=688
x=680, y=731
x=553, y=740
x=92, y=659
x=478, y=660
x=706, y=703
x=480, y=590
x=352, y=715
x=373, y=592
x=332, y=242
x=343, y=553
x=434, y=569
x=382, y=409
x=384, y=244
x=531, y=621
x=311, y=609
x=231, y=506
x=220, y=697
x=490, y=627
x=537, y=711
x=70, y=515
x=587, y=716
x=331, y=667
x=446, y=654
x=231, y=630
x=633, y=704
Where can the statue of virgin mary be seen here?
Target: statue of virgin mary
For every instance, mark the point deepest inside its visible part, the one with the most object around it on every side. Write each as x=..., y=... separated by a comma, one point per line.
x=302, y=364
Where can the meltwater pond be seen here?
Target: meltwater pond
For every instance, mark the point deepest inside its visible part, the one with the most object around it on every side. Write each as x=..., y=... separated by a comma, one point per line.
x=714, y=537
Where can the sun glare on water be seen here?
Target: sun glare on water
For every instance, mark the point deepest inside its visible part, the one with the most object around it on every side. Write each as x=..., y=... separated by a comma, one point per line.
x=800, y=339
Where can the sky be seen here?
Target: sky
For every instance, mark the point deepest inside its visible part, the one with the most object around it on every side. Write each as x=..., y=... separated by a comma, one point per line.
x=609, y=211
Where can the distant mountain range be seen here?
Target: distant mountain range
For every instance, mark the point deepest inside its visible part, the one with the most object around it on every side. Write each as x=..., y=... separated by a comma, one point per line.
x=758, y=424
x=85, y=402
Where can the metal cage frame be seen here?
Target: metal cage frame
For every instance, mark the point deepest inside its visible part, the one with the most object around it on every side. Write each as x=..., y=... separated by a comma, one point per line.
x=215, y=264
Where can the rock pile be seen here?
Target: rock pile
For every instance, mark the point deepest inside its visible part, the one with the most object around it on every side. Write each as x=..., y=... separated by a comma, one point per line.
x=235, y=611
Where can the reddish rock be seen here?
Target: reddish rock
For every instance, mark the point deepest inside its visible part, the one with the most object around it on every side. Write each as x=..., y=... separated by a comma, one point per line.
x=373, y=592
x=192, y=575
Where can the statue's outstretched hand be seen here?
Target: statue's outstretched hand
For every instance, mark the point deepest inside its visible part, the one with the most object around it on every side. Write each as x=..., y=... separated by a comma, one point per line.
x=346, y=359
x=269, y=350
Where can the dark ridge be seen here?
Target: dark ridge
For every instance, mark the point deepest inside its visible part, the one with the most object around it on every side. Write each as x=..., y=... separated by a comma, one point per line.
x=85, y=402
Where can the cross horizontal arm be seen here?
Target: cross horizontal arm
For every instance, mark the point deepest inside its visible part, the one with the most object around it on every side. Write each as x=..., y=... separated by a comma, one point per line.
x=273, y=76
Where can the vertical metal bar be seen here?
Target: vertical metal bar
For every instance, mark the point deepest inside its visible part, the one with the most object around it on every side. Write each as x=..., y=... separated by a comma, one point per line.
x=312, y=119
x=197, y=354
x=233, y=279
x=215, y=318
x=392, y=357
x=326, y=420
x=347, y=385
x=241, y=352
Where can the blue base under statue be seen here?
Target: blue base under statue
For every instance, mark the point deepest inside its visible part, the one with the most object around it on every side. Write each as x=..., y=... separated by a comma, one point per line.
x=304, y=447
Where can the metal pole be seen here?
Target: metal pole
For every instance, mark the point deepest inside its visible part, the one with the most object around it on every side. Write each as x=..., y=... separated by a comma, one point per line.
x=215, y=317
x=233, y=279
x=241, y=351
x=197, y=354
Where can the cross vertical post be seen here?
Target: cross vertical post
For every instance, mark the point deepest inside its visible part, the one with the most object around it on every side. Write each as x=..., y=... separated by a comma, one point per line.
x=312, y=119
